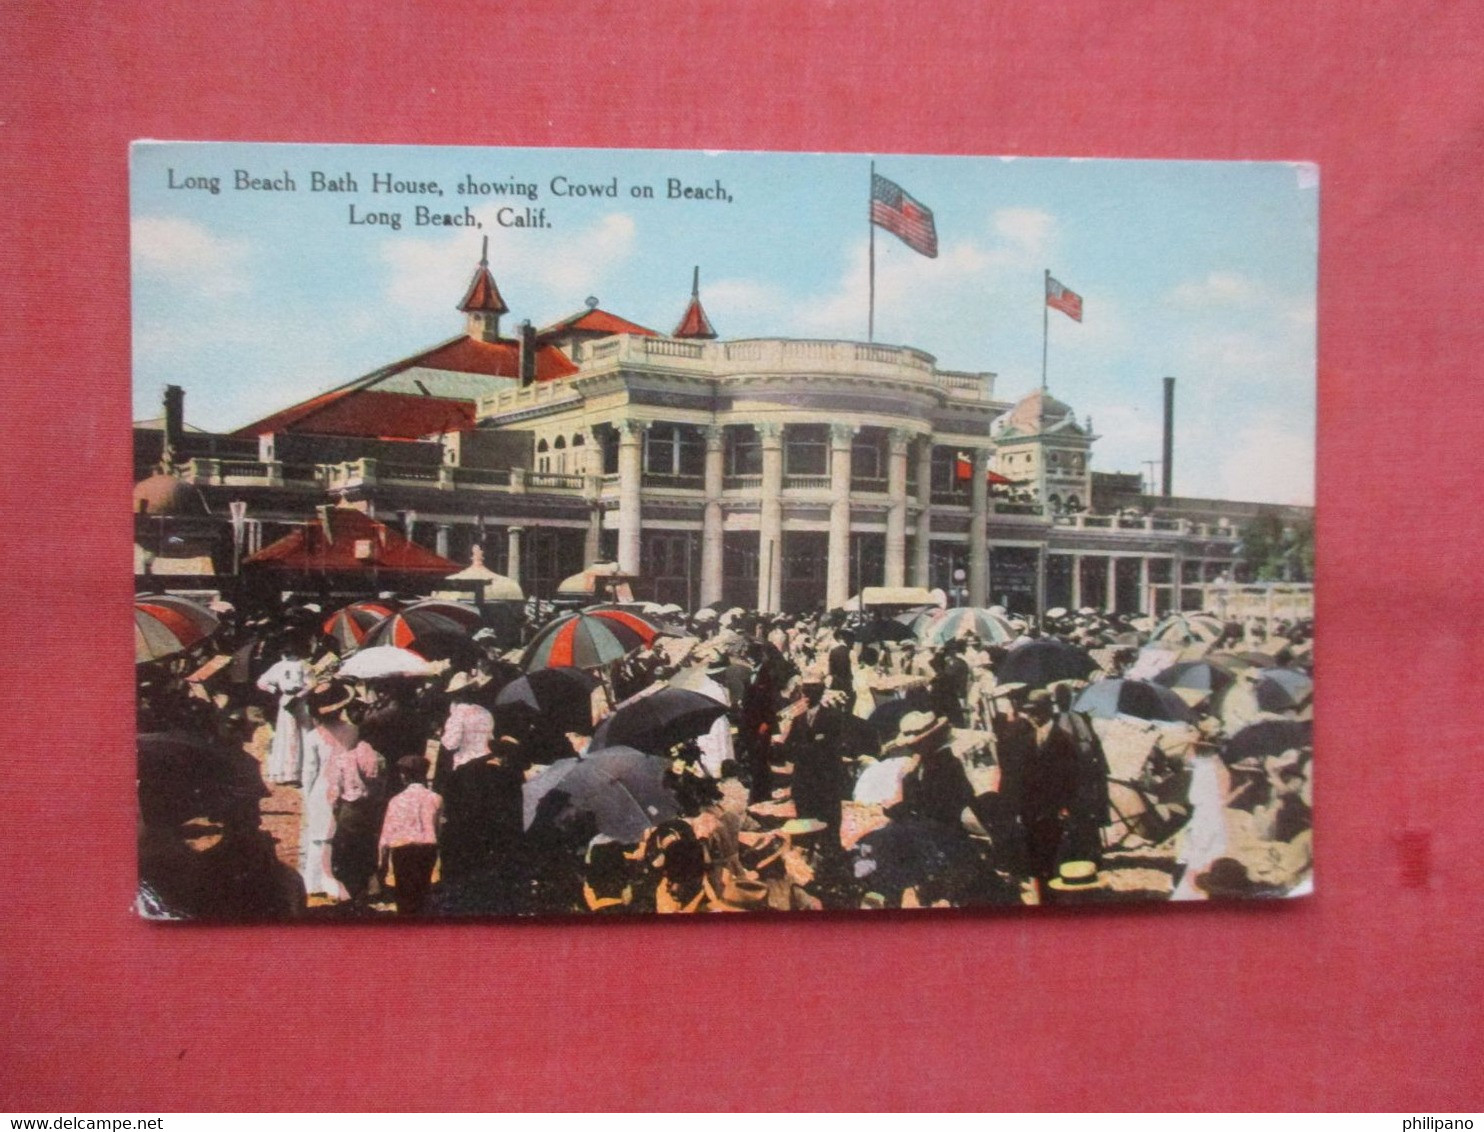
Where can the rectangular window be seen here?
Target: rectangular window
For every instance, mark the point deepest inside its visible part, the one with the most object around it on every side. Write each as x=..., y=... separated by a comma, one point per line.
x=744, y=452
x=806, y=450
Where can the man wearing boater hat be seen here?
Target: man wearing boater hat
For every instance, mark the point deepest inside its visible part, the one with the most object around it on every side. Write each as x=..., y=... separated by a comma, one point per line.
x=935, y=787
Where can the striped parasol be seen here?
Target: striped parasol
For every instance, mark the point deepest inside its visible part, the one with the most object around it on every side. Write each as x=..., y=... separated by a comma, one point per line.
x=456, y=611
x=646, y=624
x=428, y=633
x=1180, y=629
x=581, y=640
x=348, y=627
x=938, y=626
x=165, y=626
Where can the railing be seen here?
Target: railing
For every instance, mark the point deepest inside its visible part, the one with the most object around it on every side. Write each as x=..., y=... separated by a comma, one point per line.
x=806, y=483
x=742, y=483
x=1018, y=509
x=951, y=498
x=481, y=477
x=765, y=355
x=553, y=481
x=408, y=472
x=681, y=483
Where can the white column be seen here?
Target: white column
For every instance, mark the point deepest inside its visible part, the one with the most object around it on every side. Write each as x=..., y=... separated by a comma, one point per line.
x=837, y=570
x=512, y=553
x=440, y=540
x=922, y=547
x=1076, y=581
x=979, y=530
x=1146, y=603
x=630, y=471
x=1110, y=596
x=896, y=517
x=711, y=529
x=770, y=519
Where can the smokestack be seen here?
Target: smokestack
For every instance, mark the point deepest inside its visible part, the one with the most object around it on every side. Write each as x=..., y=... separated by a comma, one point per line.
x=174, y=425
x=527, y=353
x=1167, y=467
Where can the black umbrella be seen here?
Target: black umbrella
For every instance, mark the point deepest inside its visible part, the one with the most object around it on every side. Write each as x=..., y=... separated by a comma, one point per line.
x=1267, y=738
x=1039, y=663
x=874, y=632
x=910, y=854
x=1196, y=675
x=658, y=721
x=621, y=789
x=1137, y=698
x=563, y=695
x=182, y=776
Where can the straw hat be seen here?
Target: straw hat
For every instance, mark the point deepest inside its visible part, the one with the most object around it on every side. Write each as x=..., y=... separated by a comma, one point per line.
x=1078, y=876
x=802, y=827
x=327, y=699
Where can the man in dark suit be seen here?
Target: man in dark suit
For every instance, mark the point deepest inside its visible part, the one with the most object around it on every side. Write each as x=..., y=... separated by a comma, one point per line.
x=814, y=745
x=842, y=669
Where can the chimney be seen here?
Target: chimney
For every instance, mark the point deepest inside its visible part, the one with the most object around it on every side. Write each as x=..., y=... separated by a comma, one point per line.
x=174, y=425
x=527, y=353
x=1167, y=468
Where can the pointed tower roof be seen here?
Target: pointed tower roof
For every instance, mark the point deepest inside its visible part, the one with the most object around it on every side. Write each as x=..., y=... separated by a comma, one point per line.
x=1037, y=413
x=694, y=323
x=482, y=294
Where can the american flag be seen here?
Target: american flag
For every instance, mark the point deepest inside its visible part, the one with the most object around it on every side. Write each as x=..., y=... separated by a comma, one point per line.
x=1059, y=298
x=898, y=213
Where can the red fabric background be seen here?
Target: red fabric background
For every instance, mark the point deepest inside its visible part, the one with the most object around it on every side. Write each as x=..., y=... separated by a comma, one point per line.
x=1367, y=996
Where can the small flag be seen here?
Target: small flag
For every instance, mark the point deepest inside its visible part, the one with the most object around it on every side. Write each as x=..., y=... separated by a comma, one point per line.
x=898, y=213
x=1059, y=298
x=963, y=466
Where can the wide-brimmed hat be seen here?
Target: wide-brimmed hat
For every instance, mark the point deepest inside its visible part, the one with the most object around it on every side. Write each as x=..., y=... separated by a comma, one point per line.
x=918, y=727
x=743, y=892
x=327, y=699
x=1078, y=876
x=462, y=682
x=1228, y=878
x=802, y=827
x=1005, y=691
x=759, y=850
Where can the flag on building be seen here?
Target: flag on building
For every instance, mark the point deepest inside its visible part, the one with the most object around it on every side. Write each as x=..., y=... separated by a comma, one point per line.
x=898, y=213
x=963, y=466
x=1062, y=299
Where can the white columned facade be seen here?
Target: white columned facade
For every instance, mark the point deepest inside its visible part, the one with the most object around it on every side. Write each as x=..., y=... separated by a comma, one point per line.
x=512, y=553
x=630, y=476
x=921, y=547
x=770, y=519
x=711, y=524
x=837, y=568
x=896, y=515
x=979, y=530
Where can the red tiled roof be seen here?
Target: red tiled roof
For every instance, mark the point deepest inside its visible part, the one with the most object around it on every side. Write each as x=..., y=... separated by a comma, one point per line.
x=308, y=549
x=482, y=294
x=359, y=409
x=596, y=320
x=495, y=359
x=370, y=413
x=694, y=324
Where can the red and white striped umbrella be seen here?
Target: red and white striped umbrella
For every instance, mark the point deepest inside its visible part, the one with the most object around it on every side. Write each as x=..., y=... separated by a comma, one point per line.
x=580, y=640
x=165, y=626
x=348, y=627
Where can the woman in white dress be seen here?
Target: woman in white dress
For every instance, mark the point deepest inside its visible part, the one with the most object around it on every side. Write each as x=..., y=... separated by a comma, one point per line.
x=289, y=681
x=1203, y=839
x=331, y=735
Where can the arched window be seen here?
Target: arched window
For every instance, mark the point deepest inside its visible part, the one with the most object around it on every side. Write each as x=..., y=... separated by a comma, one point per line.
x=1073, y=504
x=543, y=461
x=1055, y=503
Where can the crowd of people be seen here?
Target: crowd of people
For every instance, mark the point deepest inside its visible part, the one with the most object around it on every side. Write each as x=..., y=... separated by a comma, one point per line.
x=851, y=761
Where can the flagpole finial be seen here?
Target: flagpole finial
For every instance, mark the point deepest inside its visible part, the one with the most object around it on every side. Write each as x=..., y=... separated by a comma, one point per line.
x=695, y=282
x=484, y=253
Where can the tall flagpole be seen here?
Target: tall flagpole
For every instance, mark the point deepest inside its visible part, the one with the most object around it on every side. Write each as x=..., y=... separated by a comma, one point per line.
x=871, y=225
x=1045, y=324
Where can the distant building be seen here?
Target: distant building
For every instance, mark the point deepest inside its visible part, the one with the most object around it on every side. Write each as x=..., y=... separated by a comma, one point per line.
x=773, y=473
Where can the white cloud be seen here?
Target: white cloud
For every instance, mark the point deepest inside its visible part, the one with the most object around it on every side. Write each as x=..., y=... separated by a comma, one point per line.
x=1028, y=229
x=189, y=254
x=1218, y=289
x=524, y=261
x=1270, y=460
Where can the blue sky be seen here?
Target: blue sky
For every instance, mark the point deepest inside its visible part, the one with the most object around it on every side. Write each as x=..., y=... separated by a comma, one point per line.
x=253, y=299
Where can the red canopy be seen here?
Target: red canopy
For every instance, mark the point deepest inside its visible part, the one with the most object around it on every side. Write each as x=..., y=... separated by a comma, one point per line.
x=355, y=543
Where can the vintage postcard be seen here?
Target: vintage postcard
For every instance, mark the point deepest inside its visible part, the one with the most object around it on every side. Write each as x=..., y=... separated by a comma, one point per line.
x=549, y=531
